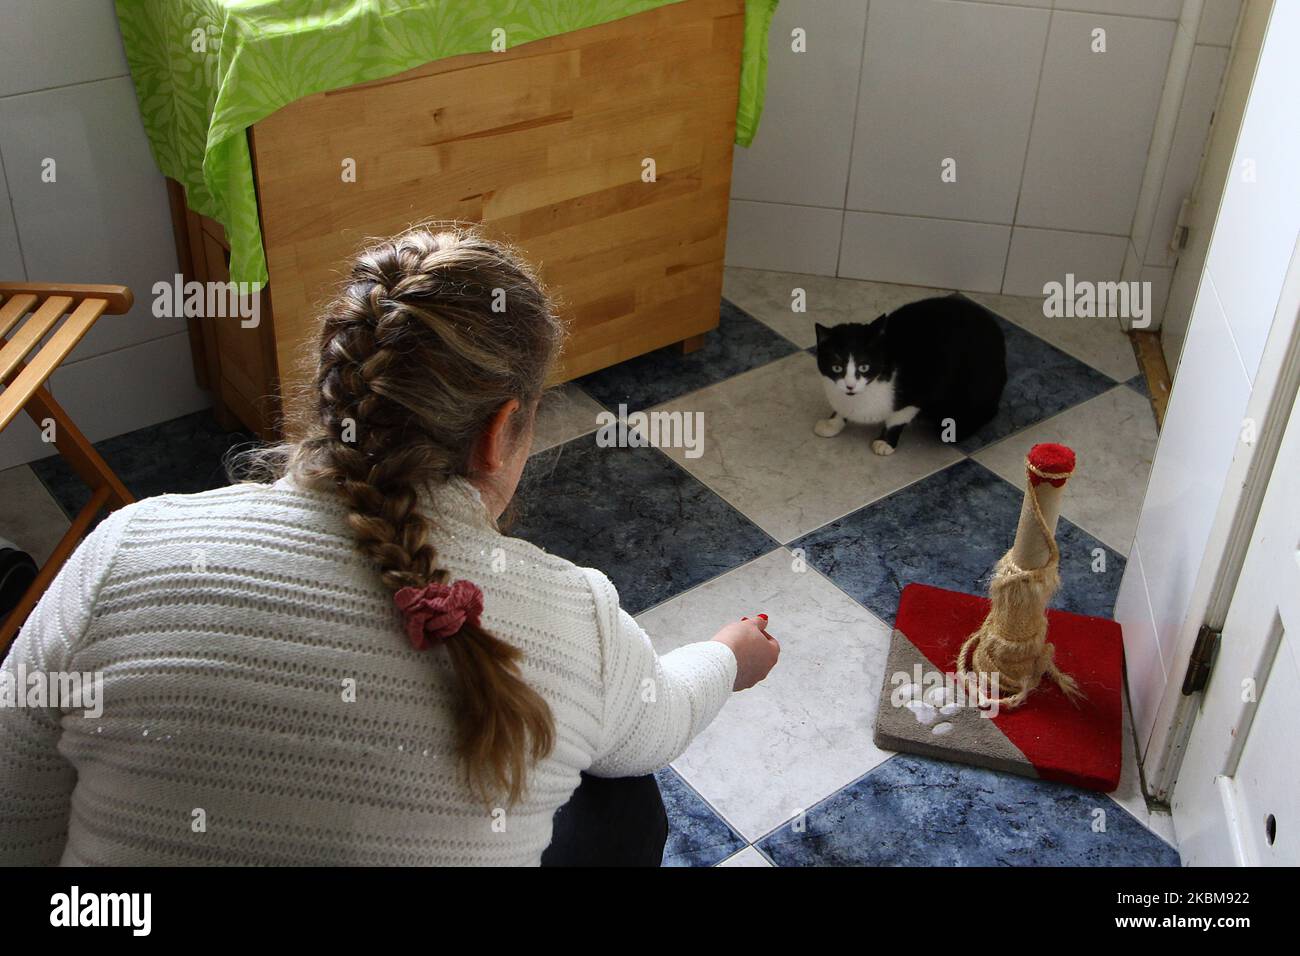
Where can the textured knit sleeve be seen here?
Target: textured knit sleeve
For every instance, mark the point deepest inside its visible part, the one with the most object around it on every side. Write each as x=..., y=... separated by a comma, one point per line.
x=35, y=780
x=654, y=706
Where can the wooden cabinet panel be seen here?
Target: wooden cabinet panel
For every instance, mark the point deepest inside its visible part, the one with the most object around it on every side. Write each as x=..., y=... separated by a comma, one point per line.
x=545, y=145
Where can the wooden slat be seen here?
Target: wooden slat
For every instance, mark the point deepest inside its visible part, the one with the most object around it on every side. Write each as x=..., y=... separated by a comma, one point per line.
x=13, y=310
x=44, y=362
x=119, y=298
x=1151, y=359
x=29, y=336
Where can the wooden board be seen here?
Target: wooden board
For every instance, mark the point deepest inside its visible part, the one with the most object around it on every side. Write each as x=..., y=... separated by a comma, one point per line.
x=544, y=144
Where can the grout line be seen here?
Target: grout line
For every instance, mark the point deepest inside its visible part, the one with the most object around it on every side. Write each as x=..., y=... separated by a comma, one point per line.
x=13, y=215
x=930, y=218
x=853, y=138
x=1029, y=139
x=718, y=813
x=64, y=86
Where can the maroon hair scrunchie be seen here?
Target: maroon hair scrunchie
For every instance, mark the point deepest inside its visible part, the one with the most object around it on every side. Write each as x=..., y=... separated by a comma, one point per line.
x=435, y=612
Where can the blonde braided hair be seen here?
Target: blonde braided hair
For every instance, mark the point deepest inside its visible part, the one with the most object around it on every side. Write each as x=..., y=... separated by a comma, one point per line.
x=435, y=330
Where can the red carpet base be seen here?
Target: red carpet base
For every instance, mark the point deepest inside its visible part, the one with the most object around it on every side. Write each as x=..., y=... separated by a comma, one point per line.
x=1047, y=737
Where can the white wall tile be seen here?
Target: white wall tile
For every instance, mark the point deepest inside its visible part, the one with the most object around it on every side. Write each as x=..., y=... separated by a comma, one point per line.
x=133, y=387
x=941, y=253
x=1093, y=122
x=765, y=235
x=47, y=43
x=1258, y=222
x=1164, y=128
x=945, y=80
x=1142, y=663
x=1200, y=98
x=1197, y=443
x=1218, y=21
x=801, y=152
x=1162, y=9
x=106, y=217
x=1039, y=256
x=1161, y=279
x=11, y=260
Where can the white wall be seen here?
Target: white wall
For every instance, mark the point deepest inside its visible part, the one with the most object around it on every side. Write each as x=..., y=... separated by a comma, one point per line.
x=66, y=95
x=1161, y=601
x=1192, y=92
x=1051, y=140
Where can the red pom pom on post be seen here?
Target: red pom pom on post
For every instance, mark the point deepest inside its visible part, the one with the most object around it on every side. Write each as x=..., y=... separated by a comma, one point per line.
x=1049, y=462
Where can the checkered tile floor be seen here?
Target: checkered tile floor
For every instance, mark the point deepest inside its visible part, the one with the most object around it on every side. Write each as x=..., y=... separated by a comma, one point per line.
x=822, y=535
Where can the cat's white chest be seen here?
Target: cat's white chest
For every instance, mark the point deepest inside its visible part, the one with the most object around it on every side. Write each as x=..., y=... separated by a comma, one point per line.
x=874, y=403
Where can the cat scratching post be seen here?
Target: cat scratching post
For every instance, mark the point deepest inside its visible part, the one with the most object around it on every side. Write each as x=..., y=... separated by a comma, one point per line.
x=1012, y=641
x=939, y=698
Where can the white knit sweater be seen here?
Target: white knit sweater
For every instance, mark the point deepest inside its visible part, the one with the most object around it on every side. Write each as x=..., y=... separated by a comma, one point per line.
x=261, y=704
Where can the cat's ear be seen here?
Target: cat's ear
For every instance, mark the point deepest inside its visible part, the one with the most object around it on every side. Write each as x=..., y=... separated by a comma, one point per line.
x=822, y=332
x=878, y=325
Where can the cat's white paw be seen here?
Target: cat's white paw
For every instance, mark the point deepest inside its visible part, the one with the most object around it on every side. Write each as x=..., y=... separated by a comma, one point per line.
x=882, y=447
x=829, y=427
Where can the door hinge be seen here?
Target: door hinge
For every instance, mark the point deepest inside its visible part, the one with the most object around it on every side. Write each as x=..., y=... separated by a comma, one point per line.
x=1202, y=662
x=1183, y=227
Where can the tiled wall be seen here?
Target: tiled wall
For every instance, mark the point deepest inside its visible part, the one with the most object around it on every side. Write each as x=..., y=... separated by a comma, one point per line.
x=1197, y=66
x=1051, y=141
x=66, y=95
x=1162, y=598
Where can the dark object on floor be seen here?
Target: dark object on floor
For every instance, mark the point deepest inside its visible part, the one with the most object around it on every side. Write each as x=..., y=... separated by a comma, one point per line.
x=17, y=572
x=610, y=822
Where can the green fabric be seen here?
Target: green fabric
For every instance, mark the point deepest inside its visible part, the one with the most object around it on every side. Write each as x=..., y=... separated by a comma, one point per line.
x=206, y=70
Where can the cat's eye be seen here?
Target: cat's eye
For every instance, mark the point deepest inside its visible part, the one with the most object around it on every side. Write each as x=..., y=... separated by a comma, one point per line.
x=837, y=369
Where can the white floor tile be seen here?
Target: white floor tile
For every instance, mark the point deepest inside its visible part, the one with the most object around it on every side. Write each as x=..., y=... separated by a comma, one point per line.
x=761, y=454
x=746, y=857
x=803, y=733
x=29, y=517
x=564, y=414
x=1114, y=437
x=1100, y=343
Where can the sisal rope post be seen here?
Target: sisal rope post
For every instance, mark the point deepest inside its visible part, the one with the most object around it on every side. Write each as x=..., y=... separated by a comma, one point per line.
x=1012, y=641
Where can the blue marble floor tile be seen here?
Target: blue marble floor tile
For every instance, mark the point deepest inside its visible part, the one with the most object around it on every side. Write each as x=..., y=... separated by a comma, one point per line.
x=181, y=456
x=912, y=811
x=635, y=515
x=1041, y=382
x=697, y=836
x=738, y=344
x=949, y=530
x=1139, y=384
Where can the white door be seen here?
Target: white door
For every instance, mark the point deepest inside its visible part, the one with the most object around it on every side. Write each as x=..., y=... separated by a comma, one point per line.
x=1237, y=799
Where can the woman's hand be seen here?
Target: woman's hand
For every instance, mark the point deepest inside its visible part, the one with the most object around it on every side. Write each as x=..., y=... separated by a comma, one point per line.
x=756, y=652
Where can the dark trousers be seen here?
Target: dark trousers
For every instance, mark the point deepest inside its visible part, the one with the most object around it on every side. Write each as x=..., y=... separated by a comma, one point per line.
x=610, y=822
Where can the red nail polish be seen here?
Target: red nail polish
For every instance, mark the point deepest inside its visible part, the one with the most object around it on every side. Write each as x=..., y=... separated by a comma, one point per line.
x=763, y=616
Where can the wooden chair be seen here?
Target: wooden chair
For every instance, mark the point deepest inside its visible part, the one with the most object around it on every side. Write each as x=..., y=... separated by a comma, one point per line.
x=27, y=359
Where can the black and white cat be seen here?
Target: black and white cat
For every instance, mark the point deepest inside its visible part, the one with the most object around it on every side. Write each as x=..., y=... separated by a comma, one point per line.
x=943, y=358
